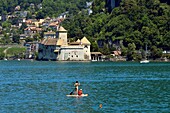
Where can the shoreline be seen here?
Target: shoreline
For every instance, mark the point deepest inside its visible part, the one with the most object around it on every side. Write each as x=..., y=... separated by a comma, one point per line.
x=80, y=60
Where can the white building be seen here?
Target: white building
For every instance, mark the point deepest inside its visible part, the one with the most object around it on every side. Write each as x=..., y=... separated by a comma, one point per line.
x=59, y=49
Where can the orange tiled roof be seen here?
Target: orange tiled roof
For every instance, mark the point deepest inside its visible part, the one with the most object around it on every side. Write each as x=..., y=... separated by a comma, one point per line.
x=53, y=24
x=28, y=21
x=39, y=29
x=117, y=53
x=33, y=28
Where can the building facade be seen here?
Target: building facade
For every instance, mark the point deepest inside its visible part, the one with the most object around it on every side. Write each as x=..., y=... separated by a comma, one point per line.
x=59, y=49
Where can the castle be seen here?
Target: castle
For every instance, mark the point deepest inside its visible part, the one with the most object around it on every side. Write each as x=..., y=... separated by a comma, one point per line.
x=58, y=48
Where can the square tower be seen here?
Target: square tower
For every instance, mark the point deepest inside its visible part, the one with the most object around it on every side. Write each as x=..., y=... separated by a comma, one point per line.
x=62, y=34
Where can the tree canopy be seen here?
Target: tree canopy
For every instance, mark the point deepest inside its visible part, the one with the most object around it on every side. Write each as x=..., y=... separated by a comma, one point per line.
x=136, y=22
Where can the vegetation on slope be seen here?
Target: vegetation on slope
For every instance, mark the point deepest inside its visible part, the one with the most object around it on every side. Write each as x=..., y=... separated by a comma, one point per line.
x=131, y=26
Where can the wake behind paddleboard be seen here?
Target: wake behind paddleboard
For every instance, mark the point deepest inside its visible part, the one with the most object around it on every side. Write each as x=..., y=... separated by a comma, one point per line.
x=83, y=95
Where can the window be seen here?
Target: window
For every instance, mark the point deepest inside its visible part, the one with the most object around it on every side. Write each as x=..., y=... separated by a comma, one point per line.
x=85, y=46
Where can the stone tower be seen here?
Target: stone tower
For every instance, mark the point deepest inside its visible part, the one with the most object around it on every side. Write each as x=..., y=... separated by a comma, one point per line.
x=62, y=35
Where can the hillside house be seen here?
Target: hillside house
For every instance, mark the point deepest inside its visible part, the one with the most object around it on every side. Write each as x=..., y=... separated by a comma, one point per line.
x=38, y=23
x=31, y=48
x=116, y=54
x=30, y=31
x=53, y=25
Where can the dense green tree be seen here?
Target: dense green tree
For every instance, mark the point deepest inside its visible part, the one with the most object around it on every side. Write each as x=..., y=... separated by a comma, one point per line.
x=131, y=52
x=2, y=55
x=6, y=24
x=105, y=50
x=16, y=38
x=23, y=26
x=94, y=46
x=40, y=15
x=156, y=52
x=6, y=39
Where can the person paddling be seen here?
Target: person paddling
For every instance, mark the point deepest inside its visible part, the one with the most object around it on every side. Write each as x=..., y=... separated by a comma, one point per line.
x=77, y=84
x=75, y=91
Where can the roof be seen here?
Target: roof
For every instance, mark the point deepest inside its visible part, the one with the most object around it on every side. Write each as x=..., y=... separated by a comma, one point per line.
x=33, y=28
x=74, y=43
x=96, y=53
x=117, y=52
x=48, y=18
x=43, y=41
x=61, y=29
x=53, y=24
x=49, y=41
x=30, y=28
x=28, y=21
x=56, y=50
x=45, y=33
x=38, y=29
x=85, y=41
x=78, y=40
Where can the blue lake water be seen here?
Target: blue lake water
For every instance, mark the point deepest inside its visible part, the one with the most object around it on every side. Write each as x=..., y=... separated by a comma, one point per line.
x=41, y=87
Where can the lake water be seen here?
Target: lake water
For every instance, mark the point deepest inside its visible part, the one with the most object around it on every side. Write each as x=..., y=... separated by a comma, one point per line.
x=41, y=87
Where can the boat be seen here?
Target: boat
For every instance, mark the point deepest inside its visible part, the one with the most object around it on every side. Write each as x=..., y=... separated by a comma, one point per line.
x=5, y=59
x=94, y=60
x=82, y=95
x=145, y=61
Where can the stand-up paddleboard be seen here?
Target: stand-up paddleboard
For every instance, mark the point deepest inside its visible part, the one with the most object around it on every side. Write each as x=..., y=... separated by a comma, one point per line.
x=83, y=95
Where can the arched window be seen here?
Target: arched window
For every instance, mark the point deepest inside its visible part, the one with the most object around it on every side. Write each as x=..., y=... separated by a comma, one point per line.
x=85, y=46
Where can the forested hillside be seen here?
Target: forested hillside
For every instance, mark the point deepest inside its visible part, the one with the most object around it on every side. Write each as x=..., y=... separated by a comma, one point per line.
x=131, y=26
x=51, y=8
